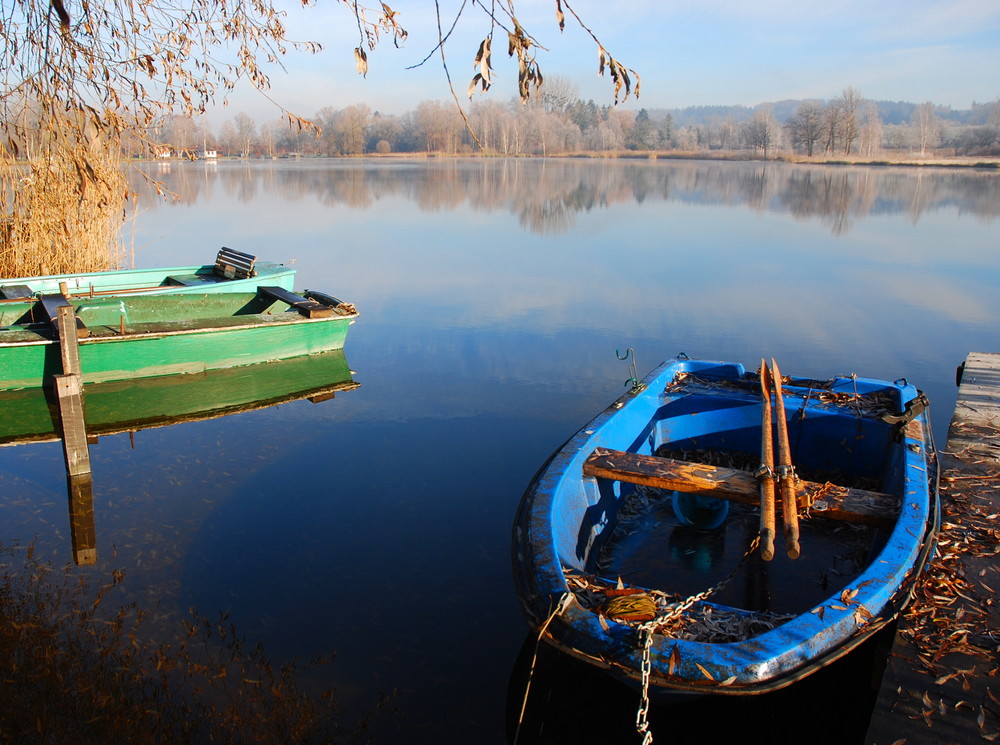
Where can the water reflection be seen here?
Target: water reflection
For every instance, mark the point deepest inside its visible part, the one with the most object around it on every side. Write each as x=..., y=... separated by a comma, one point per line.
x=82, y=528
x=546, y=195
x=32, y=415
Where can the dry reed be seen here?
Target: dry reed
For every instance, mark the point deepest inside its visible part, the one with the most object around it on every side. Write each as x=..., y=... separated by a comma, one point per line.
x=63, y=204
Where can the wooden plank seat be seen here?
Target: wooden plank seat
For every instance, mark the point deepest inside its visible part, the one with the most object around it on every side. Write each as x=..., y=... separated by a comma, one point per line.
x=191, y=280
x=306, y=306
x=15, y=292
x=50, y=304
x=821, y=500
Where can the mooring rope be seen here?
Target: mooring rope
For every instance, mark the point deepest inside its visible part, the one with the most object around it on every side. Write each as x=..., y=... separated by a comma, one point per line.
x=564, y=600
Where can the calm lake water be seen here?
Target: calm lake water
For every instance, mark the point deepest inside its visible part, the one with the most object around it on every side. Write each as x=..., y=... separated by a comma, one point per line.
x=493, y=296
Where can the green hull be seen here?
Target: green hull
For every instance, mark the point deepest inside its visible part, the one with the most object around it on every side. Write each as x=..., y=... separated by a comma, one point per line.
x=151, y=335
x=196, y=279
x=32, y=415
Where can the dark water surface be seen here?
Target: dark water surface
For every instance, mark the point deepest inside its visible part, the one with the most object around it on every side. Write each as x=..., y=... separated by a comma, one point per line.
x=493, y=296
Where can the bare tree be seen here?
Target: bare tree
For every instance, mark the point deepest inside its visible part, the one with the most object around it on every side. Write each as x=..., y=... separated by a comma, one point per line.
x=762, y=131
x=833, y=124
x=806, y=127
x=350, y=128
x=926, y=123
x=871, y=131
x=246, y=134
x=851, y=101
x=438, y=126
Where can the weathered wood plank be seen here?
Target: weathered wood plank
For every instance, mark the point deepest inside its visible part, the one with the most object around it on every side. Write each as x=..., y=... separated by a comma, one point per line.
x=69, y=390
x=939, y=684
x=827, y=500
x=69, y=393
x=305, y=306
x=69, y=348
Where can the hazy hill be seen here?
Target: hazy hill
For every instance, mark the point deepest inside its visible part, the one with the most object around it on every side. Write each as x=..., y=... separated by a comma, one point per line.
x=891, y=112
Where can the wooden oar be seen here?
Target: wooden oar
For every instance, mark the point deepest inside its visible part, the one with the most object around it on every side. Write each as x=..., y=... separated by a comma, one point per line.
x=786, y=480
x=766, y=475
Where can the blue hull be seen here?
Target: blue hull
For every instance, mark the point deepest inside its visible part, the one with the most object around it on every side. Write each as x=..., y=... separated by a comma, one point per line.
x=572, y=540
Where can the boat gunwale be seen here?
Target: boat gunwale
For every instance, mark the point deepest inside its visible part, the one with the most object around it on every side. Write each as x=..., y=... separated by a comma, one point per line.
x=104, y=334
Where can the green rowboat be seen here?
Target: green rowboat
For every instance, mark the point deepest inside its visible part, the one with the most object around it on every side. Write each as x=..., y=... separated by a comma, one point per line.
x=142, y=336
x=233, y=271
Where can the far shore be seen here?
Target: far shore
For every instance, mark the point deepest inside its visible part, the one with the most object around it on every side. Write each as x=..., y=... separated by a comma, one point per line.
x=902, y=160
x=909, y=159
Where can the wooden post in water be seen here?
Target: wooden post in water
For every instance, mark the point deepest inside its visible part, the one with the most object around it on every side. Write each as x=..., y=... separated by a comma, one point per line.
x=69, y=392
x=83, y=534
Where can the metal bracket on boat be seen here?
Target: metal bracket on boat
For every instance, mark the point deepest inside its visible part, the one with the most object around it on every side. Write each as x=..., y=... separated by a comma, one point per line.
x=764, y=471
x=785, y=472
x=914, y=408
x=633, y=374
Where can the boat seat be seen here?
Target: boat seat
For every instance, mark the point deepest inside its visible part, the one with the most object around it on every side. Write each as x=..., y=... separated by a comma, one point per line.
x=232, y=264
x=826, y=500
x=15, y=292
x=229, y=264
x=191, y=280
x=50, y=305
x=307, y=307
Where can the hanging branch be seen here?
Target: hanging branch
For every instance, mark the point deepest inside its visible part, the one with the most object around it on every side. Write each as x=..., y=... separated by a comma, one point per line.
x=619, y=73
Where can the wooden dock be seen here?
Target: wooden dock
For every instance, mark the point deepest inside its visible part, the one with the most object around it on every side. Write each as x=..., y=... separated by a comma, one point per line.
x=942, y=677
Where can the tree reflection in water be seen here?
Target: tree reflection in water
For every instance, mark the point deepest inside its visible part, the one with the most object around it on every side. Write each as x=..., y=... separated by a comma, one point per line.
x=547, y=194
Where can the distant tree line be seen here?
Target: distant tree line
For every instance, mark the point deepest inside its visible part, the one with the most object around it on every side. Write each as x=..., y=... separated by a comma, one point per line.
x=558, y=121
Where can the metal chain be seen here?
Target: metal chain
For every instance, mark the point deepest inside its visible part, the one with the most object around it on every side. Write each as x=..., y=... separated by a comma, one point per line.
x=641, y=716
x=646, y=631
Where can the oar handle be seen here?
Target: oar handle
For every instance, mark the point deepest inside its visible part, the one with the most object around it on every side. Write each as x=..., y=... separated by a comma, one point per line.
x=789, y=499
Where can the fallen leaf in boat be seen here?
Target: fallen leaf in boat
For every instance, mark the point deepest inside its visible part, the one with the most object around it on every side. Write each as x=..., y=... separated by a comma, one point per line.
x=704, y=671
x=675, y=658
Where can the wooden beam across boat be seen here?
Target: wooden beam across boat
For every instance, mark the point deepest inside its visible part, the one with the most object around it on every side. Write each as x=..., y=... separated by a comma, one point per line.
x=826, y=500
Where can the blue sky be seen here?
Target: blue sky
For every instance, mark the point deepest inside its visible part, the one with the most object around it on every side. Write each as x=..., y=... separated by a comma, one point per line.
x=695, y=52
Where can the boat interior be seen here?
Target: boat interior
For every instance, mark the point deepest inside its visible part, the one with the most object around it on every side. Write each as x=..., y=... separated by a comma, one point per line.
x=683, y=542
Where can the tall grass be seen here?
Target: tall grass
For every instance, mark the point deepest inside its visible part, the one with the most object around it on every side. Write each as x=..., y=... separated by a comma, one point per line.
x=63, y=199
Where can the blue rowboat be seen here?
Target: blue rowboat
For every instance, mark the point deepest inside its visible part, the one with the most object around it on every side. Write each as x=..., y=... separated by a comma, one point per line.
x=233, y=271
x=636, y=547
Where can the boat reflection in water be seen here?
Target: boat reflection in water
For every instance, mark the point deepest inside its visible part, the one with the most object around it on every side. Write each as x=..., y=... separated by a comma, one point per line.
x=32, y=414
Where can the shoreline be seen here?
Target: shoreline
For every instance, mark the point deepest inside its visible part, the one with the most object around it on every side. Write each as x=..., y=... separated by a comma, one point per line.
x=960, y=161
